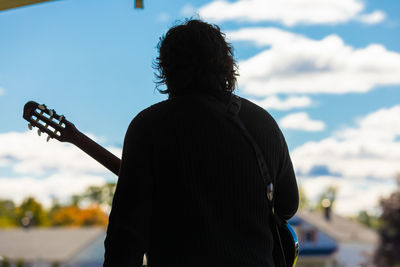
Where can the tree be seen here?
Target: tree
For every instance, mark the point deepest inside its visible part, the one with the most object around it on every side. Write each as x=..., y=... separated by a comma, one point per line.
x=8, y=217
x=368, y=220
x=327, y=198
x=5, y=262
x=94, y=215
x=102, y=195
x=387, y=253
x=55, y=205
x=75, y=216
x=303, y=200
x=66, y=216
x=20, y=263
x=32, y=213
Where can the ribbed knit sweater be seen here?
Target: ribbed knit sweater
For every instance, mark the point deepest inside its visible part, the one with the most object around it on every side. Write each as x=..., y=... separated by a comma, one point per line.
x=189, y=192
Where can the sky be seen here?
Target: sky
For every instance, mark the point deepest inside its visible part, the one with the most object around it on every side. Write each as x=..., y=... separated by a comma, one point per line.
x=328, y=71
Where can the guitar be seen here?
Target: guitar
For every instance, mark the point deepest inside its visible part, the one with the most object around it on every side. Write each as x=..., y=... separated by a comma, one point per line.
x=58, y=127
x=288, y=239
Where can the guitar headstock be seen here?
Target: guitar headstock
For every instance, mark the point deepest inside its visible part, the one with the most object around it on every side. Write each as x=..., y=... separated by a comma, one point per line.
x=48, y=121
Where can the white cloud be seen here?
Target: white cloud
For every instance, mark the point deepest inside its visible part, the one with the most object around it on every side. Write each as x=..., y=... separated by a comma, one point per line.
x=2, y=91
x=274, y=102
x=362, y=160
x=163, y=17
x=289, y=12
x=63, y=168
x=60, y=186
x=354, y=194
x=188, y=11
x=301, y=121
x=372, y=149
x=373, y=18
x=27, y=153
x=295, y=64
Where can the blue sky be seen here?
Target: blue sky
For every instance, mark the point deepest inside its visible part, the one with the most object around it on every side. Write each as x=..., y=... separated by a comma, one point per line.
x=330, y=78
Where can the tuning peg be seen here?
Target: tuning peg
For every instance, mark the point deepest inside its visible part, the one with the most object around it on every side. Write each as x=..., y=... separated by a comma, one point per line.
x=39, y=132
x=42, y=107
x=48, y=138
x=30, y=126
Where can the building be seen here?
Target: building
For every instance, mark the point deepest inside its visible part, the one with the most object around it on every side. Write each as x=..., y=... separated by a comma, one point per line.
x=325, y=241
x=51, y=247
x=332, y=240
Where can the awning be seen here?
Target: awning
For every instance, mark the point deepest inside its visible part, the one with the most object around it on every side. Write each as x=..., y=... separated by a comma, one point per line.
x=8, y=4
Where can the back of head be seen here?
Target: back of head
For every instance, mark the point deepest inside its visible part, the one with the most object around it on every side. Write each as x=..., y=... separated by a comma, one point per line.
x=195, y=58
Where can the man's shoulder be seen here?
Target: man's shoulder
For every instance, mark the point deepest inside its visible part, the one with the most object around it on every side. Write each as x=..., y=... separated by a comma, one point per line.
x=147, y=116
x=155, y=114
x=256, y=112
x=154, y=108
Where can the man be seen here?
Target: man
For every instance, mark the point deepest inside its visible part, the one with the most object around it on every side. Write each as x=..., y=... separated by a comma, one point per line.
x=190, y=191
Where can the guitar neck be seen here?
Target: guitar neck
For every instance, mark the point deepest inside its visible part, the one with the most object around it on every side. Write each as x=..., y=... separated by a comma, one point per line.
x=96, y=151
x=56, y=126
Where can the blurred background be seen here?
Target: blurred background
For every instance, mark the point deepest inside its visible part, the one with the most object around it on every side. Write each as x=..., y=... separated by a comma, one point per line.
x=328, y=72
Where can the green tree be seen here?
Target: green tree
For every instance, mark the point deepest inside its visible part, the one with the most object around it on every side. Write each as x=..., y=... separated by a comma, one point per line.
x=304, y=203
x=5, y=262
x=76, y=200
x=368, y=220
x=387, y=253
x=8, y=217
x=32, y=213
x=101, y=194
x=96, y=194
x=327, y=198
x=55, y=205
x=20, y=263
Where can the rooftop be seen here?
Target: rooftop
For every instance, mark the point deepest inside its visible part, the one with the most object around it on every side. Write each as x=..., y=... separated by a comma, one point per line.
x=46, y=244
x=340, y=228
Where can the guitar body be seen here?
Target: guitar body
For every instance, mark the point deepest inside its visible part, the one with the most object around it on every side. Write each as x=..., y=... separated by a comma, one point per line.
x=288, y=239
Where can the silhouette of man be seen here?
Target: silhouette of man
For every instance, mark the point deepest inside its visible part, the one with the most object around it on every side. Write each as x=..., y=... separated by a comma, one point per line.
x=189, y=192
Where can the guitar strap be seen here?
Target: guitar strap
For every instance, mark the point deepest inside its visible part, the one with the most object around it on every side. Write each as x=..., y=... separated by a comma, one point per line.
x=233, y=111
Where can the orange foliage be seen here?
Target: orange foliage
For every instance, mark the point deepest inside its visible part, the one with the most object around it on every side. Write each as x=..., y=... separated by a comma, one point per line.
x=75, y=216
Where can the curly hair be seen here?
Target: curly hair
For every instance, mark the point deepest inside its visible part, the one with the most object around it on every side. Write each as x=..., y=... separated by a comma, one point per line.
x=194, y=57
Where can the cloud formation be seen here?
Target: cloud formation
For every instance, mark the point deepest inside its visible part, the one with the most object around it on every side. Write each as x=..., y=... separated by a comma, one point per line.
x=295, y=64
x=163, y=17
x=372, y=149
x=2, y=91
x=290, y=12
x=301, y=121
x=27, y=153
x=363, y=160
x=46, y=170
x=61, y=186
x=188, y=10
x=354, y=194
x=373, y=18
x=274, y=102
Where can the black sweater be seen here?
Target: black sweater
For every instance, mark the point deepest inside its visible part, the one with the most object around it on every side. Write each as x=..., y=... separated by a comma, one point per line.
x=189, y=192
